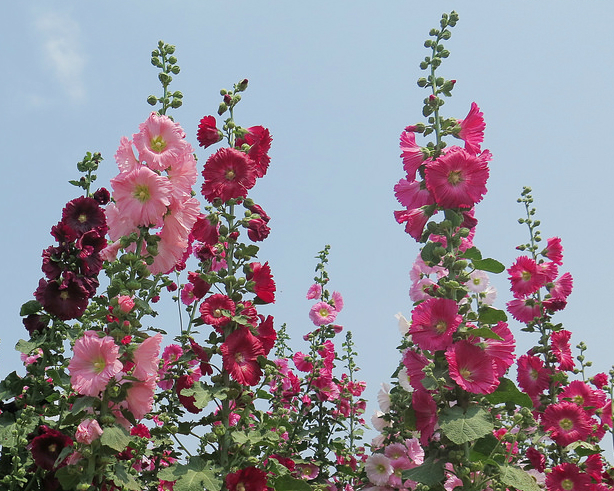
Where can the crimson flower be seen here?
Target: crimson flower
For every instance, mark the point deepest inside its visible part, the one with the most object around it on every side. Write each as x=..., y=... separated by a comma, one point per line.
x=240, y=354
x=228, y=174
x=186, y=382
x=66, y=299
x=248, y=479
x=208, y=134
x=259, y=139
x=567, y=423
x=258, y=230
x=264, y=286
x=215, y=310
x=566, y=477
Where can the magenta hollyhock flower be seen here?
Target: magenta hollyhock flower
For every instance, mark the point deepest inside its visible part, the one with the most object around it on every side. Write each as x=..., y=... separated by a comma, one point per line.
x=562, y=287
x=415, y=220
x=425, y=409
x=315, y=291
x=457, y=179
x=228, y=174
x=95, y=360
x=248, y=479
x=472, y=129
x=160, y=142
x=47, y=446
x=554, y=250
x=533, y=377
x=142, y=196
x=266, y=333
x=264, y=286
x=567, y=423
x=524, y=310
x=146, y=357
x=501, y=351
x=378, y=468
x=412, y=194
x=537, y=459
x=322, y=313
x=411, y=153
x=526, y=277
x=600, y=380
x=433, y=322
x=217, y=310
x=208, y=134
x=240, y=354
x=567, y=477
x=259, y=139
x=581, y=394
x=561, y=348
x=257, y=230
x=471, y=368
x=204, y=231
x=415, y=362
x=302, y=362
x=88, y=431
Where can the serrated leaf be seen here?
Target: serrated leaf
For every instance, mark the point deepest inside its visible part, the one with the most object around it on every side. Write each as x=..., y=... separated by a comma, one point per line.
x=488, y=264
x=465, y=426
x=125, y=480
x=82, y=403
x=427, y=253
x=27, y=347
x=115, y=437
x=201, y=395
x=484, y=332
x=429, y=473
x=30, y=307
x=191, y=477
x=289, y=483
x=517, y=478
x=490, y=315
x=508, y=392
x=472, y=253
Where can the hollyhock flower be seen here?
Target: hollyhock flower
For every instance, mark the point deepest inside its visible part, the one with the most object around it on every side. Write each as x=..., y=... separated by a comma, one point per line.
x=186, y=382
x=160, y=142
x=47, y=446
x=120, y=225
x=125, y=302
x=126, y=161
x=411, y=153
x=526, y=277
x=31, y=358
x=594, y=466
x=457, y=179
x=142, y=196
x=183, y=175
x=315, y=291
x=322, y=313
x=33, y=323
x=489, y=295
x=228, y=174
x=404, y=379
x=217, y=310
x=524, y=310
x=567, y=423
x=418, y=290
x=66, y=300
x=84, y=214
x=472, y=129
x=501, y=351
x=146, y=357
x=533, y=377
x=549, y=269
x=102, y=196
x=240, y=354
x=88, y=431
x=415, y=362
x=187, y=294
x=559, y=343
x=307, y=471
x=402, y=323
x=554, y=250
x=478, y=281
x=562, y=287
x=414, y=220
x=537, y=459
x=425, y=409
x=259, y=139
x=433, y=323
x=264, y=286
x=471, y=368
x=257, y=230
x=204, y=231
x=581, y=394
x=383, y=397
x=567, y=477
x=140, y=396
x=248, y=479
x=337, y=301
x=201, y=287
x=266, y=333
x=413, y=194
x=95, y=360
x=302, y=362
x=208, y=134
x=600, y=380
x=378, y=469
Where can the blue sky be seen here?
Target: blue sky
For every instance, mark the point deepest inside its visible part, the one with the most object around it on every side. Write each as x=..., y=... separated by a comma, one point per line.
x=335, y=83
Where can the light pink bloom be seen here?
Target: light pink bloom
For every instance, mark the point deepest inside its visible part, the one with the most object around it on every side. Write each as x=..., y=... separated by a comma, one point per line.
x=126, y=161
x=383, y=397
x=322, y=313
x=337, y=301
x=125, y=302
x=146, y=357
x=418, y=292
x=160, y=142
x=187, y=294
x=378, y=469
x=119, y=226
x=478, y=281
x=95, y=361
x=31, y=358
x=315, y=291
x=139, y=397
x=183, y=174
x=88, y=431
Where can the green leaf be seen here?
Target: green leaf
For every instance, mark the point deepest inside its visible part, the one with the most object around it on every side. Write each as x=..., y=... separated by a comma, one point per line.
x=83, y=402
x=191, y=477
x=508, y=392
x=201, y=394
x=472, y=253
x=27, y=347
x=490, y=315
x=115, y=437
x=517, y=478
x=488, y=264
x=429, y=473
x=289, y=483
x=427, y=253
x=125, y=480
x=465, y=426
x=484, y=332
x=30, y=307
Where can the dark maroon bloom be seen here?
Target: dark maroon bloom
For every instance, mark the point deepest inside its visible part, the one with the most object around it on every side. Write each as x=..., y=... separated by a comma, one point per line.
x=201, y=287
x=102, y=196
x=67, y=300
x=186, y=382
x=83, y=214
x=208, y=134
x=33, y=323
x=258, y=230
x=47, y=446
x=203, y=356
x=52, y=262
x=259, y=139
x=64, y=234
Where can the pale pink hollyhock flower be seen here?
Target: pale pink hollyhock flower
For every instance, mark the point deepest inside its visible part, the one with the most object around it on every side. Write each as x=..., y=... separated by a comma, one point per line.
x=411, y=153
x=420, y=268
x=417, y=291
x=378, y=421
x=337, y=301
x=383, y=397
x=160, y=142
x=183, y=175
x=478, y=281
x=95, y=361
x=452, y=481
x=433, y=322
x=146, y=357
x=322, y=313
x=471, y=368
x=395, y=451
x=109, y=253
x=404, y=380
x=415, y=451
x=126, y=161
x=88, y=431
x=490, y=295
x=315, y=291
x=412, y=194
x=119, y=225
x=378, y=469
x=472, y=129
x=457, y=179
x=32, y=357
x=125, y=302
x=402, y=323
x=142, y=195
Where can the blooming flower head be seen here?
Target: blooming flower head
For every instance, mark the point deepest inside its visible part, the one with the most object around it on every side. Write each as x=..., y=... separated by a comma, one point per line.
x=471, y=368
x=434, y=321
x=567, y=477
x=240, y=354
x=581, y=394
x=228, y=174
x=526, y=277
x=264, y=286
x=84, y=214
x=160, y=142
x=533, y=377
x=259, y=140
x=559, y=343
x=567, y=423
x=411, y=153
x=88, y=431
x=248, y=479
x=47, y=446
x=146, y=357
x=315, y=291
x=208, y=134
x=217, y=310
x=554, y=250
x=322, y=313
x=378, y=469
x=524, y=310
x=412, y=194
x=95, y=361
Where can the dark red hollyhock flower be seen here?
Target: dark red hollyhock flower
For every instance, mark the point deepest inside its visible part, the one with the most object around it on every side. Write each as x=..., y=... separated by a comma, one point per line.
x=266, y=333
x=64, y=234
x=186, y=382
x=240, y=354
x=248, y=479
x=33, y=323
x=83, y=214
x=47, y=446
x=53, y=266
x=89, y=246
x=208, y=134
x=201, y=287
x=264, y=286
x=102, y=196
x=258, y=230
x=258, y=209
x=204, y=231
x=259, y=139
x=228, y=174
x=66, y=300
x=203, y=356
x=212, y=310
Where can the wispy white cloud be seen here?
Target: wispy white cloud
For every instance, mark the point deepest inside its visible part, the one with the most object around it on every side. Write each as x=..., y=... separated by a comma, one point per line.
x=61, y=37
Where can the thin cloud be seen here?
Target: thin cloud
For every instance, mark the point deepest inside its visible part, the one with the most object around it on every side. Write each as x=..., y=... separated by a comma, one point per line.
x=62, y=48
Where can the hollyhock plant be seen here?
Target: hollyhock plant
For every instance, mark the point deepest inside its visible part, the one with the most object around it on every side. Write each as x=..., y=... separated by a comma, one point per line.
x=411, y=153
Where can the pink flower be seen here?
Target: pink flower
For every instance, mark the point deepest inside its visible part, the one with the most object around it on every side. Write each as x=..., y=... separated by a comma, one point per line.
x=337, y=301
x=248, y=479
x=259, y=139
x=472, y=129
x=126, y=161
x=526, y=277
x=434, y=322
x=302, y=362
x=524, y=310
x=567, y=477
x=258, y=230
x=315, y=291
x=425, y=409
x=95, y=361
x=501, y=351
x=581, y=394
x=187, y=294
x=414, y=220
x=562, y=287
x=378, y=469
x=88, y=431
x=228, y=174
x=411, y=153
x=471, y=368
x=554, y=250
x=146, y=357
x=125, y=302
x=567, y=423
x=412, y=194
x=322, y=313
x=264, y=286
x=533, y=377
x=559, y=343
x=414, y=363
x=457, y=179
x=139, y=397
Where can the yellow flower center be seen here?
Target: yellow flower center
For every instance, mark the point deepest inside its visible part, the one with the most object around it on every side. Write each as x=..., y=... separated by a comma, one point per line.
x=141, y=192
x=64, y=295
x=157, y=144
x=324, y=312
x=82, y=218
x=240, y=487
x=579, y=400
x=526, y=276
x=52, y=447
x=455, y=177
x=99, y=365
x=440, y=327
x=466, y=374
x=534, y=374
x=566, y=424
x=217, y=313
x=567, y=484
x=230, y=174
x=239, y=357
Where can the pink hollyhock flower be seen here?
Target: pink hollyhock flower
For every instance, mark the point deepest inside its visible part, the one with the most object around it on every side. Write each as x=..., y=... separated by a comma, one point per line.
x=266, y=333
x=600, y=380
x=433, y=323
x=142, y=196
x=554, y=250
x=88, y=431
x=412, y=194
x=125, y=302
x=567, y=423
x=204, y=231
x=559, y=344
x=126, y=161
x=302, y=362
x=307, y=471
x=95, y=361
x=478, y=281
x=140, y=396
x=119, y=225
x=160, y=142
x=208, y=134
x=217, y=310
x=378, y=469
x=550, y=269
x=240, y=354
x=414, y=220
x=457, y=179
x=187, y=294
x=228, y=174
x=418, y=292
x=567, y=477
x=322, y=313
x=425, y=410
x=315, y=291
x=562, y=287
x=47, y=446
x=526, y=277
x=259, y=139
x=471, y=368
x=183, y=175
x=501, y=351
x=533, y=377
x=415, y=362
x=248, y=479
x=146, y=357
x=264, y=286
x=524, y=310
x=337, y=301
x=29, y=359
x=581, y=394
x=411, y=153
x=472, y=129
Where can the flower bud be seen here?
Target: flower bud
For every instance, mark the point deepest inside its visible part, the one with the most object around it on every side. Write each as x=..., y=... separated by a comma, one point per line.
x=152, y=100
x=222, y=108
